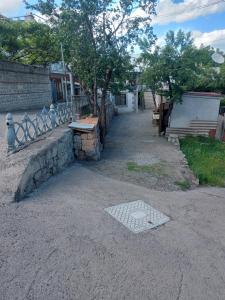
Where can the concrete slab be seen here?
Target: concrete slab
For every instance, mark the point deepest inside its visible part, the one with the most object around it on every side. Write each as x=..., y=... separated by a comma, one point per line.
x=60, y=243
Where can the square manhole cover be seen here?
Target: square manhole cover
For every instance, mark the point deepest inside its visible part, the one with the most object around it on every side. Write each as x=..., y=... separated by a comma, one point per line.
x=137, y=216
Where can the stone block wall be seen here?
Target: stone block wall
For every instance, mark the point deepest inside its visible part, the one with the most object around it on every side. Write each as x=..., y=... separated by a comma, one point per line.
x=87, y=146
x=24, y=171
x=48, y=157
x=23, y=87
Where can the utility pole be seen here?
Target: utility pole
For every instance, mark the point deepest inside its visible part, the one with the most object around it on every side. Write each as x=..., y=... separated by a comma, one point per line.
x=64, y=67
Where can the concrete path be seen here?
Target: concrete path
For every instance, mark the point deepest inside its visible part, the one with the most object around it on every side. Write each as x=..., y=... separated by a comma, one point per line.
x=60, y=243
x=133, y=140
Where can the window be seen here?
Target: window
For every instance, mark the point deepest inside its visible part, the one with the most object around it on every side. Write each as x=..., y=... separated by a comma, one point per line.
x=121, y=100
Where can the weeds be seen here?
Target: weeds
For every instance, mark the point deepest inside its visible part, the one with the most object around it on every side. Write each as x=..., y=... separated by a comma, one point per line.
x=206, y=157
x=154, y=168
x=184, y=185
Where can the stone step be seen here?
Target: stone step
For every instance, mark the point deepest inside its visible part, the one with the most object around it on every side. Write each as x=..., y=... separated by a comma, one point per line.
x=181, y=132
x=203, y=121
x=204, y=124
x=188, y=129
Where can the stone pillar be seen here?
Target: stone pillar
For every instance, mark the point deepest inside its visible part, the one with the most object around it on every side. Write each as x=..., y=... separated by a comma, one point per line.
x=52, y=114
x=11, y=136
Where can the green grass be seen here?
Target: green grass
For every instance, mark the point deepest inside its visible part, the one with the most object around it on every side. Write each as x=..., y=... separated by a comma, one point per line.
x=184, y=185
x=154, y=168
x=206, y=157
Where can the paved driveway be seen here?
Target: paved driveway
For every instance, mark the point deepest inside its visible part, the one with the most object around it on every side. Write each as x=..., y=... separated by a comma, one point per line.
x=60, y=243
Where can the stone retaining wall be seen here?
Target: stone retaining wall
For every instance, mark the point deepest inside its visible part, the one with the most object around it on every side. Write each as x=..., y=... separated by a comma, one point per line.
x=29, y=168
x=87, y=145
x=24, y=171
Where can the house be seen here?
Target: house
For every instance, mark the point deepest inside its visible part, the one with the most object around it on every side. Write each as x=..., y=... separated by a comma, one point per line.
x=197, y=114
x=63, y=82
x=125, y=102
x=130, y=99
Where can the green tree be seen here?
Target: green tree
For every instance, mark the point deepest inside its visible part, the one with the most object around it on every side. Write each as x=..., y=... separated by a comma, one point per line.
x=96, y=35
x=180, y=66
x=222, y=77
x=28, y=42
x=151, y=75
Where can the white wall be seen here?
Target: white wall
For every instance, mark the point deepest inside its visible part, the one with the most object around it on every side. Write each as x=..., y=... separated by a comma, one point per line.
x=130, y=107
x=194, y=107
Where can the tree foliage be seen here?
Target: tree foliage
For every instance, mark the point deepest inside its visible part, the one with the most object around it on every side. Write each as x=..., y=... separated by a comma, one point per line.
x=97, y=35
x=180, y=66
x=28, y=42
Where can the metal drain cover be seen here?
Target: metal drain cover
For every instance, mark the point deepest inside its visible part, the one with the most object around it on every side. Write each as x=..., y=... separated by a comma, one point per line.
x=137, y=216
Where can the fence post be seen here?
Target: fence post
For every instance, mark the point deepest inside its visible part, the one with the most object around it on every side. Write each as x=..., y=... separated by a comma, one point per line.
x=44, y=113
x=25, y=126
x=11, y=136
x=52, y=114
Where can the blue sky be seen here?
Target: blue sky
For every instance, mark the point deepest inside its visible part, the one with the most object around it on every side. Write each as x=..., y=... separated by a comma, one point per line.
x=205, y=18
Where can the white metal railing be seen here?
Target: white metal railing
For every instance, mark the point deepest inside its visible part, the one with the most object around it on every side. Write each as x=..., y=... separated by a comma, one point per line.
x=20, y=133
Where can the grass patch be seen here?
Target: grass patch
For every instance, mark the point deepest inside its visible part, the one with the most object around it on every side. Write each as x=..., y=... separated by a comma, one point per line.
x=154, y=168
x=184, y=185
x=206, y=157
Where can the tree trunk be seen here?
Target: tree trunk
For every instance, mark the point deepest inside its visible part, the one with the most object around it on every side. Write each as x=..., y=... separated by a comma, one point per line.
x=168, y=113
x=103, y=117
x=103, y=129
x=95, y=97
x=166, y=117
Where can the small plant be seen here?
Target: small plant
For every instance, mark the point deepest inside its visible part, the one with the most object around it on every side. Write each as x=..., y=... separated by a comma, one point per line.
x=184, y=185
x=154, y=168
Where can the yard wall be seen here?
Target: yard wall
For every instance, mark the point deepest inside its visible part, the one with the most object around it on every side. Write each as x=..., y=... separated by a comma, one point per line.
x=194, y=107
x=27, y=169
x=23, y=87
x=130, y=105
x=23, y=171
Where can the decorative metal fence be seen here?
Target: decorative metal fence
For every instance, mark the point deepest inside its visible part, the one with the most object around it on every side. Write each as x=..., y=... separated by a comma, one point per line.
x=30, y=128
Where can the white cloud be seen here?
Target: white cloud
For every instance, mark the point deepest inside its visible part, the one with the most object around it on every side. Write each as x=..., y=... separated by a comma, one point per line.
x=168, y=11
x=9, y=6
x=214, y=38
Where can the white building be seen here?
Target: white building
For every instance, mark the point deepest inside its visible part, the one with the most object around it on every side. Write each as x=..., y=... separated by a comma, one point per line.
x=126, y=102
x=196, y=115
